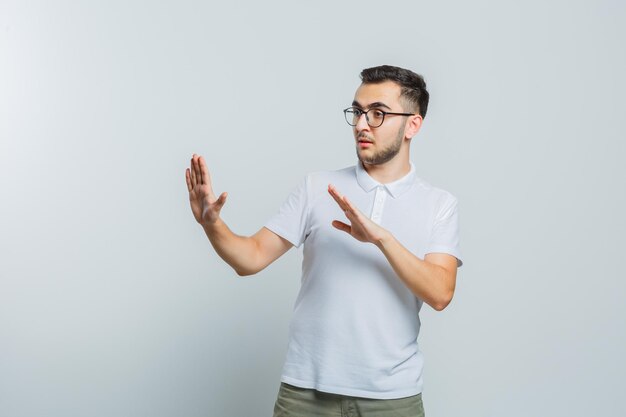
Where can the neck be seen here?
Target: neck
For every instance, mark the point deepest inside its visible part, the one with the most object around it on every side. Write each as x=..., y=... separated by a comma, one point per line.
x=390, y=171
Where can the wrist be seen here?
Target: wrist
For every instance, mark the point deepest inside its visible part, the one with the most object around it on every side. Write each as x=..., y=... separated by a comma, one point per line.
x=209, y=226
x=384, y=240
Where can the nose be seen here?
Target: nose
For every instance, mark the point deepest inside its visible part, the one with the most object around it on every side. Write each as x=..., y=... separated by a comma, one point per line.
x=361, y=123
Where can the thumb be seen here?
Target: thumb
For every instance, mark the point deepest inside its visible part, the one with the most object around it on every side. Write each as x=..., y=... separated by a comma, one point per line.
x=342, y=226
x=221, y=200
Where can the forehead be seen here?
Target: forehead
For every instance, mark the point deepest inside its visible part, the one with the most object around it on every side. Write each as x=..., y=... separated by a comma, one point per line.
x=386, y=92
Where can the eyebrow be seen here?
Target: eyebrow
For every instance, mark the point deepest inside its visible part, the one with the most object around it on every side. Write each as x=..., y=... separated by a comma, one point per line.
x=375, y=104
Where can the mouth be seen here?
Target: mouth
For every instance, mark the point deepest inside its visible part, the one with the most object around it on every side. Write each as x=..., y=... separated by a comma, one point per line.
x=363, y=142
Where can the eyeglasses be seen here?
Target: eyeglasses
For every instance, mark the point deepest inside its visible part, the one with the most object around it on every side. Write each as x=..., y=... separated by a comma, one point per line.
x=374, y=117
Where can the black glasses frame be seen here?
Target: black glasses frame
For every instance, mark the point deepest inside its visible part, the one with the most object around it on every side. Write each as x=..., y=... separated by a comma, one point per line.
x=362, y=112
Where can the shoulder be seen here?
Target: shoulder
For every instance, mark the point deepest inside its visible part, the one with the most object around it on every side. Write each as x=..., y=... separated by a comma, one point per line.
x=348, y=172
x=320, y=179
x=435, y=195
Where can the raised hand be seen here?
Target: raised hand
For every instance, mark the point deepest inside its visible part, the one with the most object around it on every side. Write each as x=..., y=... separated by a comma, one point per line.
x=361, y=227
x=204, y=205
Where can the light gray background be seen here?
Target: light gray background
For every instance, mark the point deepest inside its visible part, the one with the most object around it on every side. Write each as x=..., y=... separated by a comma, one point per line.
x=112, y=301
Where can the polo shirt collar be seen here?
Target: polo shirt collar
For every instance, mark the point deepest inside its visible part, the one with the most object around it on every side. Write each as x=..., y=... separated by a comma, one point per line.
x=395, y=188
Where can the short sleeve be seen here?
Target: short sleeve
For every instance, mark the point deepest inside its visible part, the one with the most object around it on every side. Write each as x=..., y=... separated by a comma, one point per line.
x=445, y=232
x=290, y=222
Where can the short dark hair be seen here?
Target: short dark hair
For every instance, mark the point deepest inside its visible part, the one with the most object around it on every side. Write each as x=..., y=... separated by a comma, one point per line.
x=413, y=85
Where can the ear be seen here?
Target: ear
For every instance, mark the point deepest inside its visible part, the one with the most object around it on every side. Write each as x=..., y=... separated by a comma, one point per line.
x=413, y=126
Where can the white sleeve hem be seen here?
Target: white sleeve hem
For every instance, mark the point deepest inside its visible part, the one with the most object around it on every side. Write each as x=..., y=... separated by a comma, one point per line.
x=447, y=250
x=293, y=239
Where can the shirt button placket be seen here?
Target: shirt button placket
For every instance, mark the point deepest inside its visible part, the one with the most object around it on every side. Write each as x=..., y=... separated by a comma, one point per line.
x=379, y=202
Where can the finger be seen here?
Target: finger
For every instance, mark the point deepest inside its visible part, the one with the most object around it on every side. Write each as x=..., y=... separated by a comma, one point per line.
x=204, y=171
x=188, y=180
x=199, y=172
x=197, y=169
x=221, y=200
x=342, y=226
x=336, y=196
x=192, y=170
x=350, y=208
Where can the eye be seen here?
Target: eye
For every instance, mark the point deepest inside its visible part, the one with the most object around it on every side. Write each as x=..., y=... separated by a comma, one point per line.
x=357, y=112
x=378, y=114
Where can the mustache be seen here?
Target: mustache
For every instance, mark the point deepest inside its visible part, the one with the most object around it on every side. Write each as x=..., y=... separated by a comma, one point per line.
x=365, y=137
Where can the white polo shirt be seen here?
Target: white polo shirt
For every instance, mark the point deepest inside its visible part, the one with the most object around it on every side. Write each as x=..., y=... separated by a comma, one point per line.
x=355, y=324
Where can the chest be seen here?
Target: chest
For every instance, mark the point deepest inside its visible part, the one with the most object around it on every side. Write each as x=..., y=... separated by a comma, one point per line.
x=408, y=217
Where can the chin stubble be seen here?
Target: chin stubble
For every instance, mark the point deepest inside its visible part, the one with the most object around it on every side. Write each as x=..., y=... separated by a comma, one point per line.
x=385, y=155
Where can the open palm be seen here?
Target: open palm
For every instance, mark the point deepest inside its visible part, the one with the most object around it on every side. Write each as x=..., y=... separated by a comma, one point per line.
x=205, y=206
x=361, y=228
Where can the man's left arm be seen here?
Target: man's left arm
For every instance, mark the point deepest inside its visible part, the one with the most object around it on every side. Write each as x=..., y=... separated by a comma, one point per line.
x=432, y=279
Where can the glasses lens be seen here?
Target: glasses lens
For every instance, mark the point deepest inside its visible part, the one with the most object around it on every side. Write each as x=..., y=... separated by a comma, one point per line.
x=375, y=117
x=352, y=115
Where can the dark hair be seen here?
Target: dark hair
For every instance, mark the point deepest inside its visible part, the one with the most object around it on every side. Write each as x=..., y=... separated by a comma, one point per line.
x=413, y=85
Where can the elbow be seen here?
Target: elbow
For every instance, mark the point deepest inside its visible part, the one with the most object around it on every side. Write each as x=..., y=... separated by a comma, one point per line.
x=245, y=272
x=440, y=306
x=441, y=303
x=248, y=264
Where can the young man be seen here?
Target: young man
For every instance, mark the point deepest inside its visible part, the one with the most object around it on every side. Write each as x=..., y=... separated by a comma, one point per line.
x=378, y=242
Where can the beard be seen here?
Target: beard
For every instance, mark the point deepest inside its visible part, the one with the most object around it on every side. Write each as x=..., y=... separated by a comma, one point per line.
x=384, y=155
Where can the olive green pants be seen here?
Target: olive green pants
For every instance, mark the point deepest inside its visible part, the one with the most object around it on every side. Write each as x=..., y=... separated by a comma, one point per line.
x=301, y=402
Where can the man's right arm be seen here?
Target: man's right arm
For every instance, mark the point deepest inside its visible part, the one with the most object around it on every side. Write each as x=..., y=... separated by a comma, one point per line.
x=246, y=255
